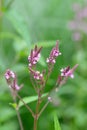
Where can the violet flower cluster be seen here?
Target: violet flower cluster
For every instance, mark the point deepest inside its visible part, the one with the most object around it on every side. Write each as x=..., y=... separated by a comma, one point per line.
x=53, y=55
x=11, y=79
x=34, y=56
x=33, y=59
x=79, y=24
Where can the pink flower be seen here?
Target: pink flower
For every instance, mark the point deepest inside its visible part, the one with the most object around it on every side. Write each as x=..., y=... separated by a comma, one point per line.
x=33, y=58
x=67, y=72
x=15, y=86
x=54, y=53
x=36, y=74
x=9, y=74
x=12, y=80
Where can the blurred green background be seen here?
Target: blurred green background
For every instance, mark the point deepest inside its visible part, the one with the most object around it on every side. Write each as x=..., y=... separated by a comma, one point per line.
x=24, y=23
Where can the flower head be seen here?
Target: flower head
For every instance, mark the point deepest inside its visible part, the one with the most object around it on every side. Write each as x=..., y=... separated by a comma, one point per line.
x=33, y=58
x=67, y=72
x=54, y=53
x=9, y=74
x=36, y=74
x=12, y=80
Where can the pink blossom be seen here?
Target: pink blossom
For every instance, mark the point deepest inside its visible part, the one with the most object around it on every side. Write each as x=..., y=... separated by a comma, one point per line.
x=33, y=58
x=36, y=74
x=67, y=72
x=12, y=80
x=9, y=74
x=54, y=53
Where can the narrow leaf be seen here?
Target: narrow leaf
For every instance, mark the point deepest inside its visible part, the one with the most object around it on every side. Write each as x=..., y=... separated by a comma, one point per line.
x=56, y=123
x=30, y=99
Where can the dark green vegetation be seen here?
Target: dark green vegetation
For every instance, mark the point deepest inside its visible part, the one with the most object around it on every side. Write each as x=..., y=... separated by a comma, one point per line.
x=24, y=23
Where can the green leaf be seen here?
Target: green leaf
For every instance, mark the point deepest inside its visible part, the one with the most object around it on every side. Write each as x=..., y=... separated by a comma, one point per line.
x=30, y=99
x=14, y=105
x=56, y=122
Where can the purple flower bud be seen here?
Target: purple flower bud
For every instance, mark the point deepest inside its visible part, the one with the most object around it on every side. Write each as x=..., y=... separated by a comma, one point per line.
x=15, y=86
x=67, y=72
x=9, y=74
x=36, y=74
x=12, y=80
x=33, y=58
x=54, y=53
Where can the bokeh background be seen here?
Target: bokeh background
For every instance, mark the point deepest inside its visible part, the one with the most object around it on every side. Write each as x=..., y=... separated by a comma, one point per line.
x=24, y=23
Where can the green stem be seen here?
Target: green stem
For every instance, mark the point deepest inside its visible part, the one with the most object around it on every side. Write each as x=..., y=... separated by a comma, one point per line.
x=35, y=122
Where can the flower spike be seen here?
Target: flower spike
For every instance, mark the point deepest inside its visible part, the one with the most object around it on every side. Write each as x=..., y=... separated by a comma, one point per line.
x=67, y=72
x=54, y=53
x=12, y=80
x=36, y=74
x=33, y=58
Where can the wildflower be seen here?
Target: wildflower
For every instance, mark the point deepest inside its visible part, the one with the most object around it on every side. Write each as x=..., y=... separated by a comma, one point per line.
x=33, y=58
x=67, y=72
x=9, y=74
x=36, y=74
x=15, y=86
x=12, y=80
x=54, y=53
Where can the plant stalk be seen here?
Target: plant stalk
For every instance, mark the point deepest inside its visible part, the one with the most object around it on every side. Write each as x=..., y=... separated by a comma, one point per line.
x=43, y=109
x=35, y=122
x=26, y=105
x=37, y=111
x=18, y=114
x=19, y=119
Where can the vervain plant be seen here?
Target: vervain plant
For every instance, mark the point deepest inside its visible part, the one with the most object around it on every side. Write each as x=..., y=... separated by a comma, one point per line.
x=39, y=80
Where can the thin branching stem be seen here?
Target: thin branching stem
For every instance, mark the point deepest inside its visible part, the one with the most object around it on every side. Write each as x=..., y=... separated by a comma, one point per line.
x=25, y=105
x=34, y=86
x=44, y=107
x=19, y=119
x=18, y=114
x=37, y=110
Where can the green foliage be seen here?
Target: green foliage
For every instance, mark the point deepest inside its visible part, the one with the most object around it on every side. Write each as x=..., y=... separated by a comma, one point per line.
x=56, y=122
x=14, y=105
x=29, y=100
